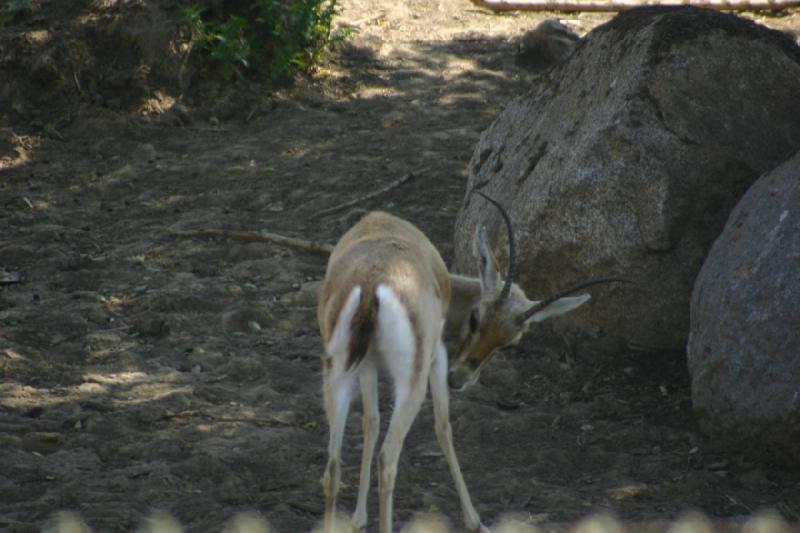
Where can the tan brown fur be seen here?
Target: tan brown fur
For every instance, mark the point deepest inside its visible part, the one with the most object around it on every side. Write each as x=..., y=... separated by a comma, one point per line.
x=381, y=248
x=394, y=266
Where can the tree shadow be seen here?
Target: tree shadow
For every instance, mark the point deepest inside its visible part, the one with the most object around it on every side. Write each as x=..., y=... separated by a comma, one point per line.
x=123, y=390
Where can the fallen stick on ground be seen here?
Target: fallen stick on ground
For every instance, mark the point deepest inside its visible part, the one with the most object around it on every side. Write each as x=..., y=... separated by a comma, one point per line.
x=252, y=236
x=623, y=5
x=396, y=183
x=309, y=246
x=9, y=278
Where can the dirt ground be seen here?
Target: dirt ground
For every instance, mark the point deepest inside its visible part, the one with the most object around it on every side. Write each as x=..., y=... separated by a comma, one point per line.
x=145, y=370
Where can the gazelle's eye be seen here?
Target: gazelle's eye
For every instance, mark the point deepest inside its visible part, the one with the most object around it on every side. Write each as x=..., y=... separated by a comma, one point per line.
x=473, y=320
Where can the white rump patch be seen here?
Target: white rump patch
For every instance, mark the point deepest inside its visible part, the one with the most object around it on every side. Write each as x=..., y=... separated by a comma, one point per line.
x=395, y=336
x=338, y=345
x=559, y=307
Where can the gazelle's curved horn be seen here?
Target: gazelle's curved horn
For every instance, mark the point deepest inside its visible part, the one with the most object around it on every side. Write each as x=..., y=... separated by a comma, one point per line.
x=566, y=292
x=512, y=247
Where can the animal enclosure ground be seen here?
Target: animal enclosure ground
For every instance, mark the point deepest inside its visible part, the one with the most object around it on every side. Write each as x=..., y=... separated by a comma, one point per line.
x=144, y=370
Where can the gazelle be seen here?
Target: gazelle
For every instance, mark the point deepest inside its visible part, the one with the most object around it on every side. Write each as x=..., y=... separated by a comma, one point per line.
x=491, y=314
x=384, y=302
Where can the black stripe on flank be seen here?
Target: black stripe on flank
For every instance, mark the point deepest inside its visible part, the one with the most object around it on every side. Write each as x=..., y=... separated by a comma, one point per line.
x=362, y=328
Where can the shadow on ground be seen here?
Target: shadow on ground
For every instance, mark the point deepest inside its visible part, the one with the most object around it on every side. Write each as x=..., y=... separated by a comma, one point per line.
x=143, y=370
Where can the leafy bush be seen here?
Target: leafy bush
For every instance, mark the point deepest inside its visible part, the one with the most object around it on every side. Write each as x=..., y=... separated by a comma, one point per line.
x=273, y=39
x=13, y=9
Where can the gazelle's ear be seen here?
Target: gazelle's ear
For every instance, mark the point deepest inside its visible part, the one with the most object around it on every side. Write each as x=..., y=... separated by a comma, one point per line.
x=559, y=307
x=487, y=265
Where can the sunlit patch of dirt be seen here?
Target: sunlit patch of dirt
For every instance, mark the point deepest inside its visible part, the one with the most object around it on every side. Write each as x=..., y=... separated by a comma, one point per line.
x=146, y=370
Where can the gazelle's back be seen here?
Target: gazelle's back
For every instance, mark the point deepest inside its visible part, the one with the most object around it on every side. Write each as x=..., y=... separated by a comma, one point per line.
x=382, y=249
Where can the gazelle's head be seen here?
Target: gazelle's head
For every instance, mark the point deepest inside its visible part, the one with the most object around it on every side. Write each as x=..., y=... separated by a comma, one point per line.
x=503, y=313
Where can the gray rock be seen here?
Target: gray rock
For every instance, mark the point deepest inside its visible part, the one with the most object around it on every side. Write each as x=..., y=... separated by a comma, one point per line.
x=744, y=346
x=629, y=156
x=546, y=45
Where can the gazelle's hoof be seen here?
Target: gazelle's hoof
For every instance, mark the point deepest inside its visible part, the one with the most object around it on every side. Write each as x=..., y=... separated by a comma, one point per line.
x=481, y=529
x=336, y=524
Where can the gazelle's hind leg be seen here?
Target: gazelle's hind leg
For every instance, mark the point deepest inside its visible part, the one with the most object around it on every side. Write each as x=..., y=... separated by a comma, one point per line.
x=407, y=404
x=338, y=389
x=397, y=344
x=444, y=433
x=368, y=378
x=338, y=392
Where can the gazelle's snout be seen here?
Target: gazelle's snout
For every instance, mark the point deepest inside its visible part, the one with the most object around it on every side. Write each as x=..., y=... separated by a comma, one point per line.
x=455, y=381
x=460, y=377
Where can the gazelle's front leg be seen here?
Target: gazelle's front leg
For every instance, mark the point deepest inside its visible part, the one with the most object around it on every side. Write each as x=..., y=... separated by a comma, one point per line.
x=371, y=421
x=444, y=433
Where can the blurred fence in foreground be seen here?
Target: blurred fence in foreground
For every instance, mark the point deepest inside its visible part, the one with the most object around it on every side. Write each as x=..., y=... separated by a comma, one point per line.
x=692, y=522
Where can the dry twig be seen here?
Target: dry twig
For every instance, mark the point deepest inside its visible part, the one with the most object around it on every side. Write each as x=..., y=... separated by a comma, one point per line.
x=10, y=278
x=393, y=185
x=194, y=413
x=251, y=236
x=302, y=244
x=623, y=5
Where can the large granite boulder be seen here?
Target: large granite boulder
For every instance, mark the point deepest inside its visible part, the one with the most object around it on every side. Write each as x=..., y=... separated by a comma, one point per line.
x=744, y=346
x=629, y=157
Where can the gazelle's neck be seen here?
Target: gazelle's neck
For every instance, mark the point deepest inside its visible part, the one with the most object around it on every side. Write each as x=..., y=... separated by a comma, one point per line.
x=465, y=292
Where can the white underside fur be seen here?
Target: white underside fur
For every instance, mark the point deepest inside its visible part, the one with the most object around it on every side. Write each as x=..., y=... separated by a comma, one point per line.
x=394, y=336
x=340, y=339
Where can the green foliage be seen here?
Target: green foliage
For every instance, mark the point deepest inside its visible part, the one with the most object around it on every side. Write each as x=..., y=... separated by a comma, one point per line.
x=226, y=42
x=15, y=8
x=273, y=39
